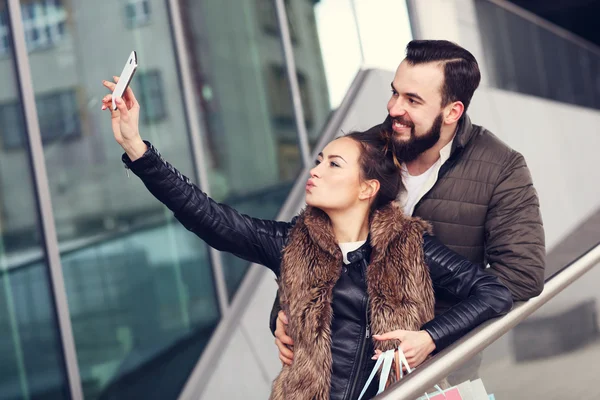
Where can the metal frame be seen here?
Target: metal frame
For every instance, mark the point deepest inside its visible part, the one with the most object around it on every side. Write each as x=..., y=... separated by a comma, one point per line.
x=360, y=40
x=43, y=199
x=453, y=357
x=194, y=119
x=413, y=17
x=290, y=64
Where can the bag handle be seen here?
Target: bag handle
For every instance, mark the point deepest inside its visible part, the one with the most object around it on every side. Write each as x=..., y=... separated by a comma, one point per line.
x=386, y=358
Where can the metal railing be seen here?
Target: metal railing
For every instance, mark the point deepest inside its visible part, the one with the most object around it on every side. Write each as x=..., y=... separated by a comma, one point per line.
x=439, y=367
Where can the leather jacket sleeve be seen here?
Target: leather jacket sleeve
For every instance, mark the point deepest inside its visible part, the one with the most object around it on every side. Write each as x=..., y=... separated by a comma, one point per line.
x=274, y=313
x=481, y=293
x=220, y=226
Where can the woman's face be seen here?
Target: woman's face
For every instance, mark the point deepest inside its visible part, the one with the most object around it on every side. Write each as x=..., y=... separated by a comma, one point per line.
x=335, y=183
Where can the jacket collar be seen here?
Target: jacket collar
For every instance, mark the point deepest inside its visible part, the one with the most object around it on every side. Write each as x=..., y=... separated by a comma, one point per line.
x=386, y=224
x=362, y=253
x=464, y=133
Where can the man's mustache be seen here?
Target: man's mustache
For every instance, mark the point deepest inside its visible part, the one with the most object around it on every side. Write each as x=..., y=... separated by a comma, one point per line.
x=389, y=121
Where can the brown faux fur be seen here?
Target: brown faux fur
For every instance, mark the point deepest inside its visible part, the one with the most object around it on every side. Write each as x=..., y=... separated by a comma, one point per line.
x=398, y=282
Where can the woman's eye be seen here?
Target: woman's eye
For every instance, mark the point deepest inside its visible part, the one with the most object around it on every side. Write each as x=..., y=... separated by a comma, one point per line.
x=334, y=164
x=317, y=162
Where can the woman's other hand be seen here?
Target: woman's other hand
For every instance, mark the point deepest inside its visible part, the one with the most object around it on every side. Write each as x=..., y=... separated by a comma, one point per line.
x=416, y=345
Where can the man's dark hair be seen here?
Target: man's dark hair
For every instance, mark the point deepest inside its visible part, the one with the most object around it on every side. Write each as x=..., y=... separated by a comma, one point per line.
x=461, y=71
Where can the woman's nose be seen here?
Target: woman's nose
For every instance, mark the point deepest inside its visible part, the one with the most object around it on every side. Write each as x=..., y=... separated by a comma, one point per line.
x=314, y=173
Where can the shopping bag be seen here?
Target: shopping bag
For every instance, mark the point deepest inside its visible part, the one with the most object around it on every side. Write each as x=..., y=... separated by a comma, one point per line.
x=449, y=394
x=468, y=390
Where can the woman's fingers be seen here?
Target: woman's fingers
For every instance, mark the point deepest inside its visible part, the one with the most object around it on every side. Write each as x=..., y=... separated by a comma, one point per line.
x=377, y=354
x=106, y=102
x=122, y=108
x=109, y=85
x=130, y=98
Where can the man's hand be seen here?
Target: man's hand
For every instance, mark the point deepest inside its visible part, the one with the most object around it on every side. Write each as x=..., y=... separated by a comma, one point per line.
x=282, y=340
x=416, y=345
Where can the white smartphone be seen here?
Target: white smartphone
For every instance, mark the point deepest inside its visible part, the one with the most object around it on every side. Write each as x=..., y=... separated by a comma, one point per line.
x=125, y=78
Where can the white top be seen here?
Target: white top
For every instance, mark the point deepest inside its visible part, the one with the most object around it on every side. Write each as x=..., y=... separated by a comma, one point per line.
x=417, y=186
x=349, y=247
x=413, y=186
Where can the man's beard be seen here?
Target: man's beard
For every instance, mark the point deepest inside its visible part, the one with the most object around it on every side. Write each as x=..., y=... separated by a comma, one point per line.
x=409, y=150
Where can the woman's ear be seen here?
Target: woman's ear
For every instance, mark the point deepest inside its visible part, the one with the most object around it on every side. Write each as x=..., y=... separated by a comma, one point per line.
x=368, y=189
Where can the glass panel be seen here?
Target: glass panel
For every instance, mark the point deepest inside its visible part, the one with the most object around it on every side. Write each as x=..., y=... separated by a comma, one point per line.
x=554, y=53
x=595, y=77
x=527, y=67
x=544, y=357
x=334, y=48
x=576, y=67
x=250, y=135
x=525, y=57
x=493, y=38
x=139, y=286
x=582, y=62
x=32, y=364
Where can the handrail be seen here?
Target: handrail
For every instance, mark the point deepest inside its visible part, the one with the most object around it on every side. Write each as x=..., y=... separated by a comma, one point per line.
x=439, y=367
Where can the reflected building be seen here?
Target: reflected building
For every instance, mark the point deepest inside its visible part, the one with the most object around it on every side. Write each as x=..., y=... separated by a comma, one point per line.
x=137, y=283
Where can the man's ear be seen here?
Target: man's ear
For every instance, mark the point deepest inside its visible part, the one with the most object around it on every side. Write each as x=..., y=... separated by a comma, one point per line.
x=453, y=112
x=369, y=189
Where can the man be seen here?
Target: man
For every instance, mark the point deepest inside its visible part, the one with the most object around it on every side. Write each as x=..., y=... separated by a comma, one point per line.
x=475, y=190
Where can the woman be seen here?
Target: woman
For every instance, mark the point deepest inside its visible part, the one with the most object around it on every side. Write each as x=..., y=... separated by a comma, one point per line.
x=350, y=264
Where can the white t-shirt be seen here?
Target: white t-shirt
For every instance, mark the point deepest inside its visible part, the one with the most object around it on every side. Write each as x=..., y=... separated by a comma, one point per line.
x=350, y=247
x=414, y=186
x=417, y=186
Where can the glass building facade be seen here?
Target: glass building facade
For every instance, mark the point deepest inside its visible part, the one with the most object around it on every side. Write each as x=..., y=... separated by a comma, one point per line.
x=97, y=279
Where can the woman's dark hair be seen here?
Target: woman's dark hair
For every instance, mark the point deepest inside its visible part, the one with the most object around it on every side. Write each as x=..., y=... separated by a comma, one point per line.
x=377, y=161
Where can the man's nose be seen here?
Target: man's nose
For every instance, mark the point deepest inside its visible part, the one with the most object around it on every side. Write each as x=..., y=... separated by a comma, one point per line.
x=397, y=109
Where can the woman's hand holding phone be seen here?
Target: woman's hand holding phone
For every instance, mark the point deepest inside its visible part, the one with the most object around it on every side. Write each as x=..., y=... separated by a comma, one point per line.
x=125, y=120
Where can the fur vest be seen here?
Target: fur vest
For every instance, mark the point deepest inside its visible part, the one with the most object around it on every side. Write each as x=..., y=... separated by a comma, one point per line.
x=398, y=284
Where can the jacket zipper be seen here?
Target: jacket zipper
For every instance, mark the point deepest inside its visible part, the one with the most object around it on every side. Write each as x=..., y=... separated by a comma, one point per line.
x=360, y=367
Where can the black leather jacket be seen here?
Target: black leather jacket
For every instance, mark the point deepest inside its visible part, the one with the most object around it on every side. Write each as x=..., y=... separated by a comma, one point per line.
x=261, y=241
